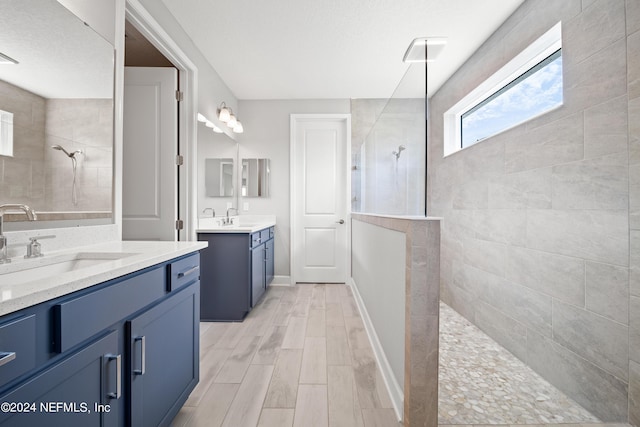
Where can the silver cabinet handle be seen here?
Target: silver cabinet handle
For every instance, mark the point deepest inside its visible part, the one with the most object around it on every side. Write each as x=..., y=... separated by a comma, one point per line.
x=118, y=360
x=188, y=272
x=7, y=357
x=340, y=222
x=143, y=355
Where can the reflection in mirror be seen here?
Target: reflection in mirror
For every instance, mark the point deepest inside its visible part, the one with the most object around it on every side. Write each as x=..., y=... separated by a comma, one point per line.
x=218, y=177
x=217, y=155
x=60, y=92
x=255, y=177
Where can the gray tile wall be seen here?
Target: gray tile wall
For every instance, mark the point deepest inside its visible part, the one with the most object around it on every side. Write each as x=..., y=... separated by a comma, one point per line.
x=22, y=177
x=381, y=183
x=79, y=124
x=633, y=93
x=42, y=177
x=541, y=224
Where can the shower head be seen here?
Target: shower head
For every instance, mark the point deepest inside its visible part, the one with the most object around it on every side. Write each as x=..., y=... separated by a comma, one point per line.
x=400, y=149
x=61, y=148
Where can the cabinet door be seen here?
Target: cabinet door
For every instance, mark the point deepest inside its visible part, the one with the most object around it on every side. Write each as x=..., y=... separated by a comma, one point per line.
x=268, y=261
x=164, y=353
x=257, y=274
x=81, y=390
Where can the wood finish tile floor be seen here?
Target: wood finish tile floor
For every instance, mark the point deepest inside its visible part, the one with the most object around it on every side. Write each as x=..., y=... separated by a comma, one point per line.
x=300, y=358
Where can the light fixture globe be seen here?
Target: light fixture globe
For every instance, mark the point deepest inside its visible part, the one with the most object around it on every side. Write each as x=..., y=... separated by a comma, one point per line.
x=224, y=113
x=238, y=127
x=232, y=121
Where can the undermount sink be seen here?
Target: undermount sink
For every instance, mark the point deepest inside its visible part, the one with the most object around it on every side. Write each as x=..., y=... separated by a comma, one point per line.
x=29, y=270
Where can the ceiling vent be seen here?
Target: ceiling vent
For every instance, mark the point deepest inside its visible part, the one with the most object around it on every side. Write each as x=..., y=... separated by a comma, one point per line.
x=425, y=49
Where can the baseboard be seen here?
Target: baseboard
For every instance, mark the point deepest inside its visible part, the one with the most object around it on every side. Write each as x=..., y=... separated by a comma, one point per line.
x=395, y=391
x=281, y=281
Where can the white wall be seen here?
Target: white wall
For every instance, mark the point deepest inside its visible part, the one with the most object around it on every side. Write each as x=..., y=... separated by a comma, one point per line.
x=266, y=135
x=211, y=89
x=378, y=271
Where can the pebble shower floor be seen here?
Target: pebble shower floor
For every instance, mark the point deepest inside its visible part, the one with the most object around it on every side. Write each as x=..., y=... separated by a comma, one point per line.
x=482, y=383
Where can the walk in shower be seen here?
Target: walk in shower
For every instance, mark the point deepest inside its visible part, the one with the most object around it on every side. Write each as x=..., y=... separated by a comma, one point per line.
x=388, y=149
x=480, y=381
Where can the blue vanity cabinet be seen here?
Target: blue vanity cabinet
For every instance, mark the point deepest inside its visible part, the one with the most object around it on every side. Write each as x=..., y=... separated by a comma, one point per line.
x=82, y=390
x=120, y=353
x=236, y=268
x=225, y=288
x=164, y=360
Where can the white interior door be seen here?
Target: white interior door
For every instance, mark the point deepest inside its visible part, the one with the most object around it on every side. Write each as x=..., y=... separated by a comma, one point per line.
x=150, y=145
x=319, y=192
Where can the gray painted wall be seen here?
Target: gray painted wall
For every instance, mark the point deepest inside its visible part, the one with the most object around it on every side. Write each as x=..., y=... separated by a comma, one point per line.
x=538, y=220
x=266, y=135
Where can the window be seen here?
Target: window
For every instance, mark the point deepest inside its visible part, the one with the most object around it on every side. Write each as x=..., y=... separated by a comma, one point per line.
x=533, y=93
x=6, y=133
x=528, y=86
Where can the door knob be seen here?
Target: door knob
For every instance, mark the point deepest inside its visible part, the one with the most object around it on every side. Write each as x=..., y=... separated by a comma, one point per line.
x=340, y=222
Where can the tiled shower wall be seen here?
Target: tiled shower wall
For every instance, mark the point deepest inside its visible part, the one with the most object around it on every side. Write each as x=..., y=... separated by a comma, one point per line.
x=42, y=177
x=79, y=124
x=539, y=240
x=22, y=176
x=381, y=183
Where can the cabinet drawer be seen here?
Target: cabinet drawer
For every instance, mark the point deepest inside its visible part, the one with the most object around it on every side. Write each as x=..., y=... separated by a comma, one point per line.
x=256, y=239
x=184, y=271
x=271, y=232
x=17, y=348
x=265, y=235
x=81, y=318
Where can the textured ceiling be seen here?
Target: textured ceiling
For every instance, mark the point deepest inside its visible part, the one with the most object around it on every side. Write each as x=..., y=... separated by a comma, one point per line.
x=293, y=49
x=59, y=56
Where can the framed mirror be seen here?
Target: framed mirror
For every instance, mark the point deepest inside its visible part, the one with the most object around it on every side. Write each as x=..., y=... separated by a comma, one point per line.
x=56, y=85
x=219, y=177
x=255, y=177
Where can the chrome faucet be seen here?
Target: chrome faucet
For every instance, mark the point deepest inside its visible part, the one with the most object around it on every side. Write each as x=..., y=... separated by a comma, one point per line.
x=227, y=221
x=213, y=212
x=31, y=216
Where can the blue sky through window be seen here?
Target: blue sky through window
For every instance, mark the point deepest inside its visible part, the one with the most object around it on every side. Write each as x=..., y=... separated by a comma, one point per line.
x=536, y=91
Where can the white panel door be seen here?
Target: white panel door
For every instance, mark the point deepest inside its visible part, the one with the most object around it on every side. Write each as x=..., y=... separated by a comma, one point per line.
x=150, y=145
x=319, y=197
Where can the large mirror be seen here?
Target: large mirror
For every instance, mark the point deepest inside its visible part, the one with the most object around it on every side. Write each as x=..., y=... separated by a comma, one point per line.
x=56, y=86
x=219, y=177
x=217, y=173
x=255, y=177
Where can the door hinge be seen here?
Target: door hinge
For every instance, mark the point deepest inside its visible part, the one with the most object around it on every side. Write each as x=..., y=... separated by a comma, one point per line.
x=179, y=160
x=179, y=96
x=179, y=224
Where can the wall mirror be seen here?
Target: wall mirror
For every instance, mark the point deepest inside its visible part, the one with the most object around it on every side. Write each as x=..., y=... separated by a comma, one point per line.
x=56, y=80
x=217, y=172
x=255, y=177
x=219, y=177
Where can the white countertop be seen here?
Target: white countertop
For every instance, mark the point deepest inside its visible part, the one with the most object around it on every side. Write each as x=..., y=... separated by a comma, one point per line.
x=242, y=224
x=138, y=255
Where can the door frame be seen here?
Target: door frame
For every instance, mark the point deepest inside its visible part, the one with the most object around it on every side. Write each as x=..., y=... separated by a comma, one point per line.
x=140, y=18
x=293, y=168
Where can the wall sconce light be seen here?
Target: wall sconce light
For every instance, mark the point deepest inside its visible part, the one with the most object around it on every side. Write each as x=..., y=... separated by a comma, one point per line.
x=208, y=123
x=225, y=115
